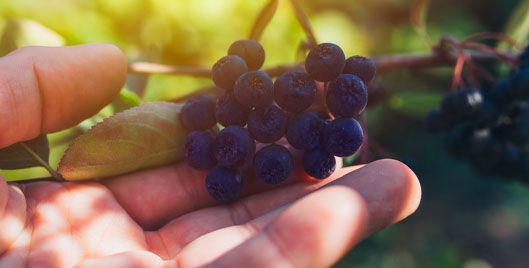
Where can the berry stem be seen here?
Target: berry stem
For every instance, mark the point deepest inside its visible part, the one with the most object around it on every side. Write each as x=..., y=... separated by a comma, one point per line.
x=305, y=23
x=44, y=164
x=263, y=19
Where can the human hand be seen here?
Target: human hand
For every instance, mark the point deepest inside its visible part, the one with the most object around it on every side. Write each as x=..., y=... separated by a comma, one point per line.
x=164, y=217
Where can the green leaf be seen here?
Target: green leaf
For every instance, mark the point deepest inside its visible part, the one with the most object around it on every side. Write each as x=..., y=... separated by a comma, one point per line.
x=17, y=156
x=264, y=18
x=518, y=25
x=146, y=136
x=415, y=104
x=418, y=17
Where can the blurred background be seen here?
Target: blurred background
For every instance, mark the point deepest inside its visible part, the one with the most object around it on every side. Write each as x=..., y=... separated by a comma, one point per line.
x=467, y=219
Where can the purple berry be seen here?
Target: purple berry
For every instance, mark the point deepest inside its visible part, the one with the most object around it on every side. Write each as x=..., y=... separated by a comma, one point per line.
x=227, y=70
x=267, y=124
x=224, y=184
x=198, y=113
x=304, y=131
x=318, y=163
x=343, y=137
x=273, y=164
x=198, y=150
x=229, y=111
x=346, y=96
x=325, y=62
x=294, y=91
x=250, y=51
x=234, y=147
x=254, y=89
x=362, y=67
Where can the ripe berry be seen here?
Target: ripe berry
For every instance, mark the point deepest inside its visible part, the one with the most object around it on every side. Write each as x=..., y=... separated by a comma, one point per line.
x=346, y=96
x=305, y=131
x=343, y=137
x=267, y=124
x=229, y=111
x=294, y=91
x=318, y=163
x=273, y=164
x=250, y=51
x=518, y=131
x=227, y=70
x=325, y=62
x=462, y=103
x=198, y=113
x=198, y=150
x=254, y=89
x=234, y=147
x=224, y=184
x=479, y=140
x=520, y=85
x=362, y=67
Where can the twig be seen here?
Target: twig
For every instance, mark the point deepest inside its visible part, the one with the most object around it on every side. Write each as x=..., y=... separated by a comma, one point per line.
x=305, y=23
x=384, y=63
x=43, y=163
x=146, y=68
x=263, y=19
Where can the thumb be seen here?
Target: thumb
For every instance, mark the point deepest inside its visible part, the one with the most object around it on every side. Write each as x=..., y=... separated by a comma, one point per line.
x=45, y=89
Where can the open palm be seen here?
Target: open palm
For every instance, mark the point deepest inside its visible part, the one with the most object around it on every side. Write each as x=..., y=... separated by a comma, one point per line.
x=164, y=216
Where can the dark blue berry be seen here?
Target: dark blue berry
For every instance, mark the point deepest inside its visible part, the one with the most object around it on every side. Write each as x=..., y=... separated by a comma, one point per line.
x=234, y=147
x=318, y=163
x=198, y=150
x=305, y=131
x=294, y=91
x=198, y=113
x=479, y=140
x=520, y=85
x=499, y=93
x=273, y=164
x=224, y=184
x=250, y=51
x=267, y=124
x=229, y=111
x=437, y=122
x=343, y=137
x=487, y=116
x=227, y=70
x=462, y=103
x=362, y=67
x=325, y=62
x=518, y=131
x=346, y=96
x=254, y=89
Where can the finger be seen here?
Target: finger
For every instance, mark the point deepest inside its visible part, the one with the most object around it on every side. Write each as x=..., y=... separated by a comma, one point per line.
x=390, y=190
x=154, y=197
x=45, y=89
x=137, y=259
x=304, y=235
x=394, y=187
x=12, y=215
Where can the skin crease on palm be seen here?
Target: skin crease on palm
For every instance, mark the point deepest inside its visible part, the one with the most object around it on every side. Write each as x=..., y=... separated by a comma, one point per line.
x=163, y=217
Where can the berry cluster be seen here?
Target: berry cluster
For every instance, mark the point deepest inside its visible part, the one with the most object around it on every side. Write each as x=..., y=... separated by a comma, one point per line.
x=254, y=109
x=489, y=125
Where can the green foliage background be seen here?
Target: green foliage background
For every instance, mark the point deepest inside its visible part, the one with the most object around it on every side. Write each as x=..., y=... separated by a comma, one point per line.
x=466, y=219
